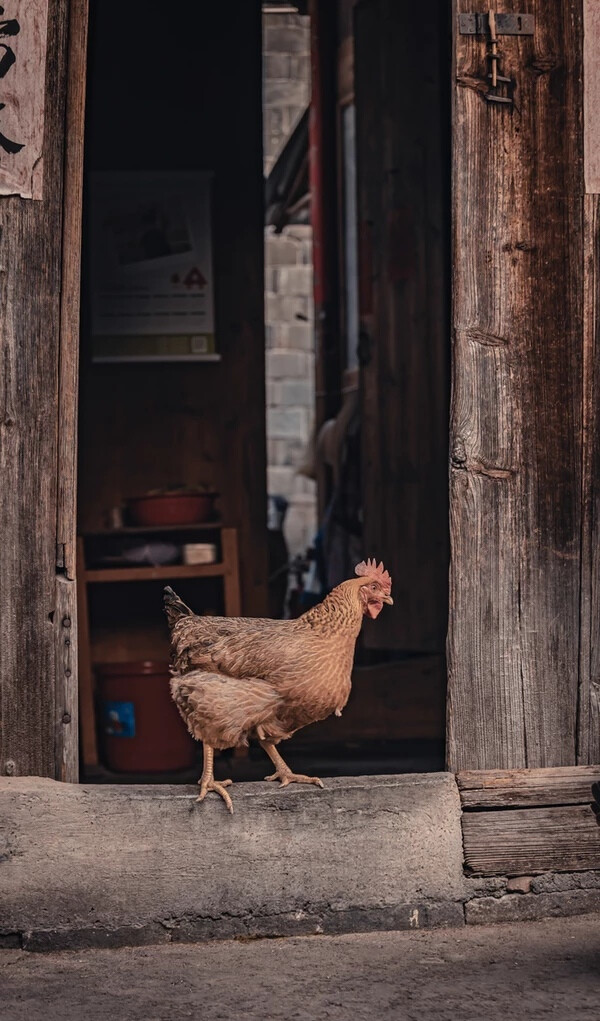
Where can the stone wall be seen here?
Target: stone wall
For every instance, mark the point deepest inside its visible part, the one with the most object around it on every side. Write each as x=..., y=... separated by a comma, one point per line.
x=286, y=79
x=288, y=287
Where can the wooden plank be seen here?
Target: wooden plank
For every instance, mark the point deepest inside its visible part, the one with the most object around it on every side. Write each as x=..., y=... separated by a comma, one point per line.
x=516, y=433
x=591, y=95
x=531, y=840
x=30, y=284
x=231, y=579
x=494, y=788
x=403, y=196
x=66, y=694
x=113, y=533
x=588, y=720
x=111, y=574
x=68, y=369
x=87, y=715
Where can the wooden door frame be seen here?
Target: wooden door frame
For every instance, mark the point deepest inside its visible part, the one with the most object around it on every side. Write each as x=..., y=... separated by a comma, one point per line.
x=41, y=251
x=67, y=749
x=67, y=741
x=516, y=436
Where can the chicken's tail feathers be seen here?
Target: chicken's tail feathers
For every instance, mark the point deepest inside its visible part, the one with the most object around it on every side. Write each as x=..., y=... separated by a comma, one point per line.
x=175, y=608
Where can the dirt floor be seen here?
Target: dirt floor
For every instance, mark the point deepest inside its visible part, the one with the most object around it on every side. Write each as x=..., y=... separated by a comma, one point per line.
x=531, y=970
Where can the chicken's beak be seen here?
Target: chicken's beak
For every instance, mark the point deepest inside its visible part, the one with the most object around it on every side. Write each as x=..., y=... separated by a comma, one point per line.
x=388, y=600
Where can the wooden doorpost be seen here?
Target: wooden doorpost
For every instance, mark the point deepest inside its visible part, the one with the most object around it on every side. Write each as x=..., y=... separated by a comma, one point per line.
x=516, y=429
x=39, y=303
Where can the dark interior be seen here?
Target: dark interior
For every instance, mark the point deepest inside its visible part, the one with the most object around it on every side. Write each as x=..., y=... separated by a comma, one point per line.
x=189, y=99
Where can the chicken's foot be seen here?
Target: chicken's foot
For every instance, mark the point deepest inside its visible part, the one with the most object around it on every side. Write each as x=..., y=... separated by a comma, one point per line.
x=207, y=780
x=283, y=772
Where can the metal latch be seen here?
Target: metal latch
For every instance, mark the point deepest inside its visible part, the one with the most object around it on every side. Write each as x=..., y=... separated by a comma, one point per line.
x=506, y=24
x=491, y=25
x=494, y=57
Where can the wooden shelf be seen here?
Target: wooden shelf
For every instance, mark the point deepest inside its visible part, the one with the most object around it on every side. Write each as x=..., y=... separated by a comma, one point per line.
x=115, y=359
x=114, y=533
x=106, y=574
x=227, y=569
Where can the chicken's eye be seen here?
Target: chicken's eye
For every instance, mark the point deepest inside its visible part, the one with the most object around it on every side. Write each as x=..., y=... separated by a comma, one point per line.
x=374, y=586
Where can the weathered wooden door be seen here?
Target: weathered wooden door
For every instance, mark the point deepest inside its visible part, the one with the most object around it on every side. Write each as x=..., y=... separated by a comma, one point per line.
x=517, y=406
x=402, y=120
x=39, y=311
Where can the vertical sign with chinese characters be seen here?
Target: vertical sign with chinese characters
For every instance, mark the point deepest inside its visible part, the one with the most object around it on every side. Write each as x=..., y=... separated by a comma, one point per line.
x=591, y=95
x=23, y=28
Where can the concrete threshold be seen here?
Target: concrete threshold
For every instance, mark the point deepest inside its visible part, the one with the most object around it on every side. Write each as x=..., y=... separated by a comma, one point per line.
x=84, y=866
x=110, y=866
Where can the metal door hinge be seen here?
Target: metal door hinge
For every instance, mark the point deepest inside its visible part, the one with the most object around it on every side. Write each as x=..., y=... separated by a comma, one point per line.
x=65, y=562
x=506, y=24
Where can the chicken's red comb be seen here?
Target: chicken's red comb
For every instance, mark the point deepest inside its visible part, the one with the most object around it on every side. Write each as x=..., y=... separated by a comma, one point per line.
x=370, y=569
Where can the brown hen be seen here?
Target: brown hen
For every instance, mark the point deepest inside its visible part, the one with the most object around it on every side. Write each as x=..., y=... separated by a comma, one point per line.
x=240, y=677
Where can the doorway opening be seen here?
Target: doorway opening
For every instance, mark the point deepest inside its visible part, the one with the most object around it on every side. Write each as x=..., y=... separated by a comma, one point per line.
x=171, y=427
x=379, y=139
x=174, y=154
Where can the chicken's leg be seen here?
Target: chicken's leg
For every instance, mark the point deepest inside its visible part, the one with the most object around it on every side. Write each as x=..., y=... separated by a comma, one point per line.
x=283, y=771
x=207, y=780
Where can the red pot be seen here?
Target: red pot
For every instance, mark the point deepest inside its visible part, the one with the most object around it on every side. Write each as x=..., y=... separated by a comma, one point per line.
x=141, y=729
x=172, y=509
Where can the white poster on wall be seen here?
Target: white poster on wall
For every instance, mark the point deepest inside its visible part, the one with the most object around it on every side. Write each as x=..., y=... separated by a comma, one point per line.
x=151, y=267
x=23, y=30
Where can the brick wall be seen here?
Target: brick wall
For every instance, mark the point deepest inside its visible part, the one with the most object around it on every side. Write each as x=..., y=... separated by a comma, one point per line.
x=288, y=287
x=286, y=78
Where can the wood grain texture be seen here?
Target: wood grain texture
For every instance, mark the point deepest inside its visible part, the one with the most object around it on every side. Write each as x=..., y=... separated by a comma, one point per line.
x=403, y=195
x=591, y=95
x=124, y=574
x=66, y=618
x=231, y=578
x=30, y=287
x=521, y=788
x=588, y=736
x=516, y=434
x=87, y=714
x=24, y=98
x=531, y=840
x=66, y=525
x=66, y=696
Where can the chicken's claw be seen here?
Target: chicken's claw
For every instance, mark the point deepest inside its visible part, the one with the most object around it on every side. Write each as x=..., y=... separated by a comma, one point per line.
x=218, y=788
x=289, y=777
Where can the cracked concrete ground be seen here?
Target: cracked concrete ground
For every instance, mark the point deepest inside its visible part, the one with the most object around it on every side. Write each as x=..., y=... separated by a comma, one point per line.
x=531, y=970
